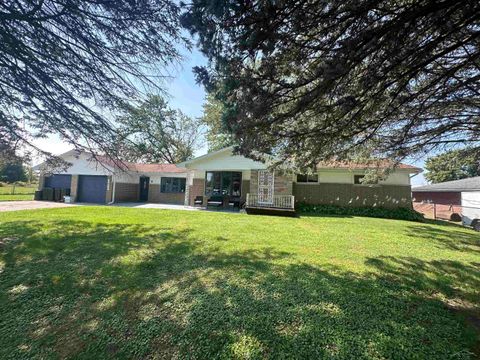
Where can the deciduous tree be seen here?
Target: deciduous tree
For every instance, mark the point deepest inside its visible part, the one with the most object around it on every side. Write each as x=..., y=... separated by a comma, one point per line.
x=65, y=63
x=153, y=132
x=453, y=165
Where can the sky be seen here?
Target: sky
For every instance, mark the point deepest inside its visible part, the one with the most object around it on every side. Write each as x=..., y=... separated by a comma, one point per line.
x=184, y=94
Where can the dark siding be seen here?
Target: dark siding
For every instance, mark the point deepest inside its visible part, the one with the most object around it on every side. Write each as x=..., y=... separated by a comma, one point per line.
x=353, y=195
x=58, y=181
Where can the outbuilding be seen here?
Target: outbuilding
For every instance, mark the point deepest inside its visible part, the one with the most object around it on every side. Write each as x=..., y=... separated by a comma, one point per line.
x=464, y=194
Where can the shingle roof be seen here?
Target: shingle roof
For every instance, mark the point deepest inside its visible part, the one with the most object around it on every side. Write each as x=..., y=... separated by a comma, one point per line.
x=469, y=184
x=145, y=168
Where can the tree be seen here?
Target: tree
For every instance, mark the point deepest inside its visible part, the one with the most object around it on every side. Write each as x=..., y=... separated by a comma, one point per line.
x=453, y=165
x=217, y=135
x=311, y=80
x=64, y=64
x=152, y=132
x=13, y=172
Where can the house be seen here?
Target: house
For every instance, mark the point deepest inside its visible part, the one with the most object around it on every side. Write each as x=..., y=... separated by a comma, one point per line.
x=224, y=179
x=101, y=181
x=221, y=173
x=463, y=194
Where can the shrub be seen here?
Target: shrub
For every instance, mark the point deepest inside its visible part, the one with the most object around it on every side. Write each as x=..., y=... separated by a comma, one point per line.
x=378, y=212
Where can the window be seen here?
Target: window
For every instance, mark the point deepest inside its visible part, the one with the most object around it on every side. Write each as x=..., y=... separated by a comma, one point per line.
x=357, y=179
x=223, y=183
x=172, y=185
x=302, y=178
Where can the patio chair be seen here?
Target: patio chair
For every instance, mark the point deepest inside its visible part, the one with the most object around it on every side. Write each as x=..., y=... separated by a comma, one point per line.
x=198, y=201
x=215, y=201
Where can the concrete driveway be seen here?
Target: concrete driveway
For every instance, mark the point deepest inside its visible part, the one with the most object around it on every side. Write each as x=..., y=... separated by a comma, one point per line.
x=29, y=205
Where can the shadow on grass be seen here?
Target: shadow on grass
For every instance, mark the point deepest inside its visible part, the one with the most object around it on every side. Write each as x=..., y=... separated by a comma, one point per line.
x=445, y=235
x=73, y=289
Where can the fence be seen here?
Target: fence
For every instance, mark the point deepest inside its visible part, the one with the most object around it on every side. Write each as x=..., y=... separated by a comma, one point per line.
x=441, y=211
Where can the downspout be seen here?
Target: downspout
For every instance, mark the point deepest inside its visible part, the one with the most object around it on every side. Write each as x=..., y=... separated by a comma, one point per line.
x=113, y=192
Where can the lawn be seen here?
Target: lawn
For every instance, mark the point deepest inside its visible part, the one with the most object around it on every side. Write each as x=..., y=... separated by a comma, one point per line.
x=20, y=193
x=105, y=282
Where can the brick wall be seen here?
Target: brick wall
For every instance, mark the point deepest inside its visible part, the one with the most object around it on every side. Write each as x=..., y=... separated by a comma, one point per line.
x=197, y=189
x=245, y=189
x=155, y=196
x=126, y=192
x=437, y=197
x=41, y=182
x=108, y=197
x=353, y=195
x=74, y=188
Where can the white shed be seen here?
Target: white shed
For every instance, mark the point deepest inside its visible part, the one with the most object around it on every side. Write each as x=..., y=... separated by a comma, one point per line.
x=471, y=208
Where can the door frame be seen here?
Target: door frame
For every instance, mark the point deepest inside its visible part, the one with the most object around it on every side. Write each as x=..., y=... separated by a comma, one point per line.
x=143, y=192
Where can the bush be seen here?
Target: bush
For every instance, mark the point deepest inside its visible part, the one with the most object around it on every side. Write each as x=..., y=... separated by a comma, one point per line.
x=378, y=212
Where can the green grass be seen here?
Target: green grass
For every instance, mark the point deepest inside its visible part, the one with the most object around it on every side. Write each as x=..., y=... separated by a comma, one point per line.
x=21, y=193
x=16, y=197
x=7, y=190
x=100, y=282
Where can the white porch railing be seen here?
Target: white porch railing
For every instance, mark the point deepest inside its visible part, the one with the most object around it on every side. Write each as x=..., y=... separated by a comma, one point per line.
x=278, y=202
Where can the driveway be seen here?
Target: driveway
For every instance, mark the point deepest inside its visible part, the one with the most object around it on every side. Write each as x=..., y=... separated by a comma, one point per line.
x=29, y=205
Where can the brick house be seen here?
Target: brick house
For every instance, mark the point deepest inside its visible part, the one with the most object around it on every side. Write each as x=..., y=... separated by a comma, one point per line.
x=226, y=178
x=221, y=173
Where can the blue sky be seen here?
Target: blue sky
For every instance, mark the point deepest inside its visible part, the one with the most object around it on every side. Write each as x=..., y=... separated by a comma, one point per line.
x=186, y=95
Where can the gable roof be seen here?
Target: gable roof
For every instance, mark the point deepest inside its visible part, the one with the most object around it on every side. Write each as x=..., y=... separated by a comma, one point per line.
x=382, y=163
x=468, y=184
x=140, y=167
x=129, y=166
x=222, y=160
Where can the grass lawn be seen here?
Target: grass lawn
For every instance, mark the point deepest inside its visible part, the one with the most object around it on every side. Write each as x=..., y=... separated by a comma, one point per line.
x=15, y=197
x=21, y=193
x=103, y=282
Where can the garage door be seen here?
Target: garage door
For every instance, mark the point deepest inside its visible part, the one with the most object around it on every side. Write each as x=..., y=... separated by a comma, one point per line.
x=58, y=181
x=92, y=189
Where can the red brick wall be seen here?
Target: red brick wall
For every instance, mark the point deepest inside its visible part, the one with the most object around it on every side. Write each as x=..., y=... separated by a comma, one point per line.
x=155, y=196
x=437, y=197
x=126, y=192
x=197, y=189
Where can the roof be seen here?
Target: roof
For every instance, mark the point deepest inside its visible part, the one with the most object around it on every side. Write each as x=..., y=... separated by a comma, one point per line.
x=129, y=166
x=144, y=168
x=205, y=156
x=468, y=184
x=383, y=163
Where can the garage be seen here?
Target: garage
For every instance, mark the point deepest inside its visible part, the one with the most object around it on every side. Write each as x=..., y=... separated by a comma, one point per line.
x=92, y=189
x=58, y=181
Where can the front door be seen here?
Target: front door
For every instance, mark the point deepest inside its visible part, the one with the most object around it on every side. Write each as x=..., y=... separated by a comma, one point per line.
x=144, y=182
x=265, y=187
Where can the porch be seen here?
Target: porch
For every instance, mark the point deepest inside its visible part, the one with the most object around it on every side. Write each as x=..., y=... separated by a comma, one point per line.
x=283, y=202
x=238, y=189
